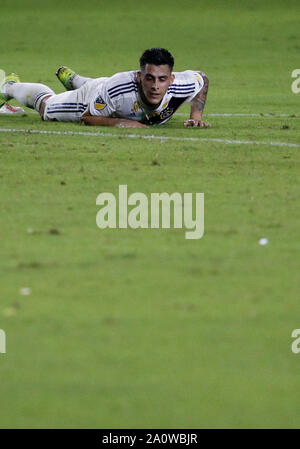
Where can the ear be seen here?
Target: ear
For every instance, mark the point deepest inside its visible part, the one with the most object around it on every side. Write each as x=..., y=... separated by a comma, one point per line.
x=138, y=76
x=172, y=78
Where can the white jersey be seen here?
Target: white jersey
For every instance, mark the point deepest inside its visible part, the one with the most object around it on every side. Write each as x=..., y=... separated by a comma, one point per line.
x=118, y=97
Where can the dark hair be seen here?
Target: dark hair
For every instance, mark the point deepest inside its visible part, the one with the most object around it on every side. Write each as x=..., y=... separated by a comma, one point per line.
x=157, y=56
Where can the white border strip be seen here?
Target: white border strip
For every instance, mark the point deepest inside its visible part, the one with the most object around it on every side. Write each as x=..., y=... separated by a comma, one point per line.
x=149, y=137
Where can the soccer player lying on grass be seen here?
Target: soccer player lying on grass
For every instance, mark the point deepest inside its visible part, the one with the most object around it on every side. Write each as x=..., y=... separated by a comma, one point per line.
x=132, y=99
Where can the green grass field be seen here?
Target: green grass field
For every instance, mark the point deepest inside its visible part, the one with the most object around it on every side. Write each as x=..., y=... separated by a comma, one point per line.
x=141, y=328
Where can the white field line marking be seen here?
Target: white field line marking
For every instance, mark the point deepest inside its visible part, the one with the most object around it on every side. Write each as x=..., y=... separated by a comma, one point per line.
x=224, y=114
x=149, y=137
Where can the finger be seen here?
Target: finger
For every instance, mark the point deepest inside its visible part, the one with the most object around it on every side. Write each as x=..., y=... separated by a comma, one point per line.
x=192, y=122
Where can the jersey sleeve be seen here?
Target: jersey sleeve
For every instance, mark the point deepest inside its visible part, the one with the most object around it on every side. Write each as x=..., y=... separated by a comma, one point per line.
x=101, y=104
x=198, y=83
x=187, y=84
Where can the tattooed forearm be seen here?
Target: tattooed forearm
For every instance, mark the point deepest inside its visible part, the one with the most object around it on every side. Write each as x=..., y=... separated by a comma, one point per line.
x=197, y=106
x=199, y=101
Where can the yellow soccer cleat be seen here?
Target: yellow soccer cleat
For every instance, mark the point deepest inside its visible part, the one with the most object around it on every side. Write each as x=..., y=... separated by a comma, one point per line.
x=65, y=76
x=11, y=78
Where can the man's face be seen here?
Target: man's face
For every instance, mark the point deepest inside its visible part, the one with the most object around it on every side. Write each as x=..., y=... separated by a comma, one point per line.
x=155, y=80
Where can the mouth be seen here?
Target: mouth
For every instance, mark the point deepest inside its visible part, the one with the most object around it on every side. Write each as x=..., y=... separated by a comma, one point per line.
x=154, y=96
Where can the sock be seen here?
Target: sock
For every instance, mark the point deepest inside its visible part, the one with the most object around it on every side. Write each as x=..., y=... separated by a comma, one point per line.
x=28, y=94
x=79, y=81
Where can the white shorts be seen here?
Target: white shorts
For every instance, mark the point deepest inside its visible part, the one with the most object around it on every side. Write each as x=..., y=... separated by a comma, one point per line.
x=64, y=107
x=70, y=105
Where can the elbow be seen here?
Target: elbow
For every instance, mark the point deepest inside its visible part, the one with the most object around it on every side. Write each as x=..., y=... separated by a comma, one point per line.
x=205, y=79
x=84, y=120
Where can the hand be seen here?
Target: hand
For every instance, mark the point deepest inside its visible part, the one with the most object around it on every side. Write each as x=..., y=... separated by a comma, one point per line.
x=196, y=123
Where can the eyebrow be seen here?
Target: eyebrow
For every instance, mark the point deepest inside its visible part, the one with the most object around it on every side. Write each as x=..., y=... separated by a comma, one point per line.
x=153, y=76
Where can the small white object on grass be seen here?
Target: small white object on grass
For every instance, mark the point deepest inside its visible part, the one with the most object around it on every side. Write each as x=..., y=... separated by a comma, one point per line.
x=264, y=241
x=25, y=291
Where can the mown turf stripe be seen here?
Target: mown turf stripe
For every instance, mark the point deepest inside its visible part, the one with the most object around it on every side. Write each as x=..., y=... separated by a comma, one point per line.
x=150, y=137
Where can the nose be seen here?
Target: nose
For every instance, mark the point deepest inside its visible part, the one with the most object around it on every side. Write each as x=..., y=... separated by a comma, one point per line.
x=155, y=85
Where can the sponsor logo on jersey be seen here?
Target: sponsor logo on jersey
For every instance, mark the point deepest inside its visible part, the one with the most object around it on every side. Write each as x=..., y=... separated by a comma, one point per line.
x=134, y=109
x=166, y=113
x=100, y=103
